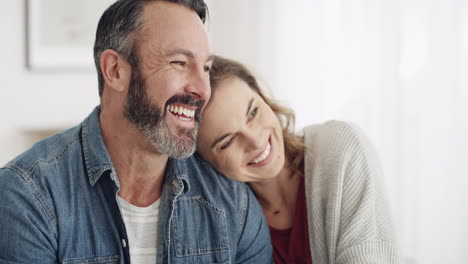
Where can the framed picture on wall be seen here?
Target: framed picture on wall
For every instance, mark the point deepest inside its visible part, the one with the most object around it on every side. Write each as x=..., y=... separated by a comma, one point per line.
x=60, y=33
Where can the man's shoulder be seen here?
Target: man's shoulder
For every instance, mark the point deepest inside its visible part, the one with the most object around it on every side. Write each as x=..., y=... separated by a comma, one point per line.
x=203, y=177
x=227, y=209
x=33, y=175
x=48, y=150
x=198, y=169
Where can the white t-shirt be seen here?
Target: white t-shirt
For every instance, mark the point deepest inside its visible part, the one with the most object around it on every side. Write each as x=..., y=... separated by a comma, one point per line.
x=141, y=224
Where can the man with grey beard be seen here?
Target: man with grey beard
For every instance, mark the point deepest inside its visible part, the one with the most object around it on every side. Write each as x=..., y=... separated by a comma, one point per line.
x=123, y=185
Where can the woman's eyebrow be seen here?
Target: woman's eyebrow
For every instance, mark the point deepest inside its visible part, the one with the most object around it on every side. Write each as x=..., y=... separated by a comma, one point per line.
x=249, y=107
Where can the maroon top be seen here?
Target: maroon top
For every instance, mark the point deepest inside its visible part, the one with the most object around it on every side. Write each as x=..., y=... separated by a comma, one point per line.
x=292, y=245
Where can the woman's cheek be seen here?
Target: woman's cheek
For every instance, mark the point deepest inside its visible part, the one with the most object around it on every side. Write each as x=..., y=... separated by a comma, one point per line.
x=231, y=161
x=222, y=162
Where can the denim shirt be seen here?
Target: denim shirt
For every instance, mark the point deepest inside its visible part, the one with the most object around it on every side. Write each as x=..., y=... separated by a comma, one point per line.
x=58, y=205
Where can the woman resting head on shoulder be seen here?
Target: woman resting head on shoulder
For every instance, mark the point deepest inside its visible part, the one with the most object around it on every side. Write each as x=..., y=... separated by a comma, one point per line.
x=320, y=192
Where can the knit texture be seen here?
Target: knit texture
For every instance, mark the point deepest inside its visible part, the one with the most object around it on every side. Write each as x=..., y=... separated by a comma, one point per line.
x=348, y=215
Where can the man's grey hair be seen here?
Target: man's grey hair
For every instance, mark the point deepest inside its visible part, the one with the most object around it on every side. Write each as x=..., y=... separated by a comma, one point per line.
x=119, y=29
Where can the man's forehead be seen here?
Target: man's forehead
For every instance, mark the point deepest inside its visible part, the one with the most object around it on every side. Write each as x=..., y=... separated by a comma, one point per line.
x=165, y=11
x=170, y=28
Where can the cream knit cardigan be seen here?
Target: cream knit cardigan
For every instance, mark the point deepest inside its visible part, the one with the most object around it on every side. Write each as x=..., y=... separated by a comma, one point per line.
x=348, y=215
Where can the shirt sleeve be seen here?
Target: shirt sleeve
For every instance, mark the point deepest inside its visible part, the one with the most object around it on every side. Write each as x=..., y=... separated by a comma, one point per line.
x=254, y=245
x=26, y=229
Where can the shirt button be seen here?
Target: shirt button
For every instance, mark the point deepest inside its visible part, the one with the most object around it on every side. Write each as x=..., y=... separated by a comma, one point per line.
x=124, y=244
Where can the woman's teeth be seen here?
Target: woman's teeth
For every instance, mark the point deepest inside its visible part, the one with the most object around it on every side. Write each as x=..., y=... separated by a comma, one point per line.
x=263, y=156
x=181, y=112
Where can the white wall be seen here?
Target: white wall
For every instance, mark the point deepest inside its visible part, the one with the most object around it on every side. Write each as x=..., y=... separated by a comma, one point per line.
x=35, y=100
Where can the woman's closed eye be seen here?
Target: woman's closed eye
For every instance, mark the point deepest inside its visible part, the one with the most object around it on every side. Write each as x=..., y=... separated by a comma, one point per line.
x=253, y=113
x=227, y=144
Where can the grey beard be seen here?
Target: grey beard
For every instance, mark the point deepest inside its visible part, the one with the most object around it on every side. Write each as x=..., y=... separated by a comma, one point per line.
x=151, y=121
x=165, y=142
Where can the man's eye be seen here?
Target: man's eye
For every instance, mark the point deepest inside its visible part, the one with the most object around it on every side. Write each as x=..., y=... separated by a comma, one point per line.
x=225, y=146
x=207, y=68
x=181, y=63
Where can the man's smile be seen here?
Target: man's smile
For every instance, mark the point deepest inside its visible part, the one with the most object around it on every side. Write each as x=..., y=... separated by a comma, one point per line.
x=185, y=113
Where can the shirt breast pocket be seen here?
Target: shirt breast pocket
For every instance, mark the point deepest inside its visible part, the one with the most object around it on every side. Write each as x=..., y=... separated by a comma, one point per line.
x=200, y=232
x=113, y=259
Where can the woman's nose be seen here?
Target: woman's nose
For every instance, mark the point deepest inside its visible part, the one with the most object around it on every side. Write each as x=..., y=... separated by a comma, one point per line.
x=254, y=141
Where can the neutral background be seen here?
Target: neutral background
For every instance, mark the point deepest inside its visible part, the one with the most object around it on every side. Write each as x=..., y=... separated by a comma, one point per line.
x=396, y=68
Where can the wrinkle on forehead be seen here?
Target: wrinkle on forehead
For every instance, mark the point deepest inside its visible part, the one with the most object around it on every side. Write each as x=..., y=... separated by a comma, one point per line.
x=160, y=32
x=168, y=26
x=162, y=17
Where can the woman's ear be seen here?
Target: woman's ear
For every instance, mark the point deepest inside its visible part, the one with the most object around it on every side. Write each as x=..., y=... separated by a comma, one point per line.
x=116, y=71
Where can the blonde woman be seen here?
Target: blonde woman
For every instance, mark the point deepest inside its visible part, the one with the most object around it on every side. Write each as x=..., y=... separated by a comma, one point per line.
x=320, y=192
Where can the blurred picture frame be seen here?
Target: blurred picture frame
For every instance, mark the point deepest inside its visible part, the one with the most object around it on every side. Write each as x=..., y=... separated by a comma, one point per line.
x=60, y=33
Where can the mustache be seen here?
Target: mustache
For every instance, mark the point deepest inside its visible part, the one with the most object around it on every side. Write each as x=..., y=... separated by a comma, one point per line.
x=185, y=99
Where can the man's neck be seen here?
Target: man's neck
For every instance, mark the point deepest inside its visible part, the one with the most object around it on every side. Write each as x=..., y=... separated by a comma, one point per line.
x=139, y=168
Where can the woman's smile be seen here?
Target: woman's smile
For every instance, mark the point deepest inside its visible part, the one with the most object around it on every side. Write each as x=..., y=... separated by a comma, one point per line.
x=264, y=157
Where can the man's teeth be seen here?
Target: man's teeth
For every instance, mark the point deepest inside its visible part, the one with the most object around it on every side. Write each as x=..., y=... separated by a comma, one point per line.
x=264, y=155
x=179, y=110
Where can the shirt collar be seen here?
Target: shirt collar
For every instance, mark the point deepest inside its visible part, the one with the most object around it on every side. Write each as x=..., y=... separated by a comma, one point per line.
x=98, y=161
x=177, y=174
x=96, y=157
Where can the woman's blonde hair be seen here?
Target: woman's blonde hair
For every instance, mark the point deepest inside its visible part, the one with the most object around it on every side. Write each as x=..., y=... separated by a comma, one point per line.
x=293, y=145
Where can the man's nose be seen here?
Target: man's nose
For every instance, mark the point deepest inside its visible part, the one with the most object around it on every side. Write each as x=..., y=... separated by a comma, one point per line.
x=199, y=84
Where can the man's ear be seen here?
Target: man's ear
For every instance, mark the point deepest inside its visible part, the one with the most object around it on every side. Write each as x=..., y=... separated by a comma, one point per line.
x=116, y=71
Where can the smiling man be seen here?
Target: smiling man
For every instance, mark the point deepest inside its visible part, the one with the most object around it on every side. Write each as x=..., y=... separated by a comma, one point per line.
x=123, y=185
